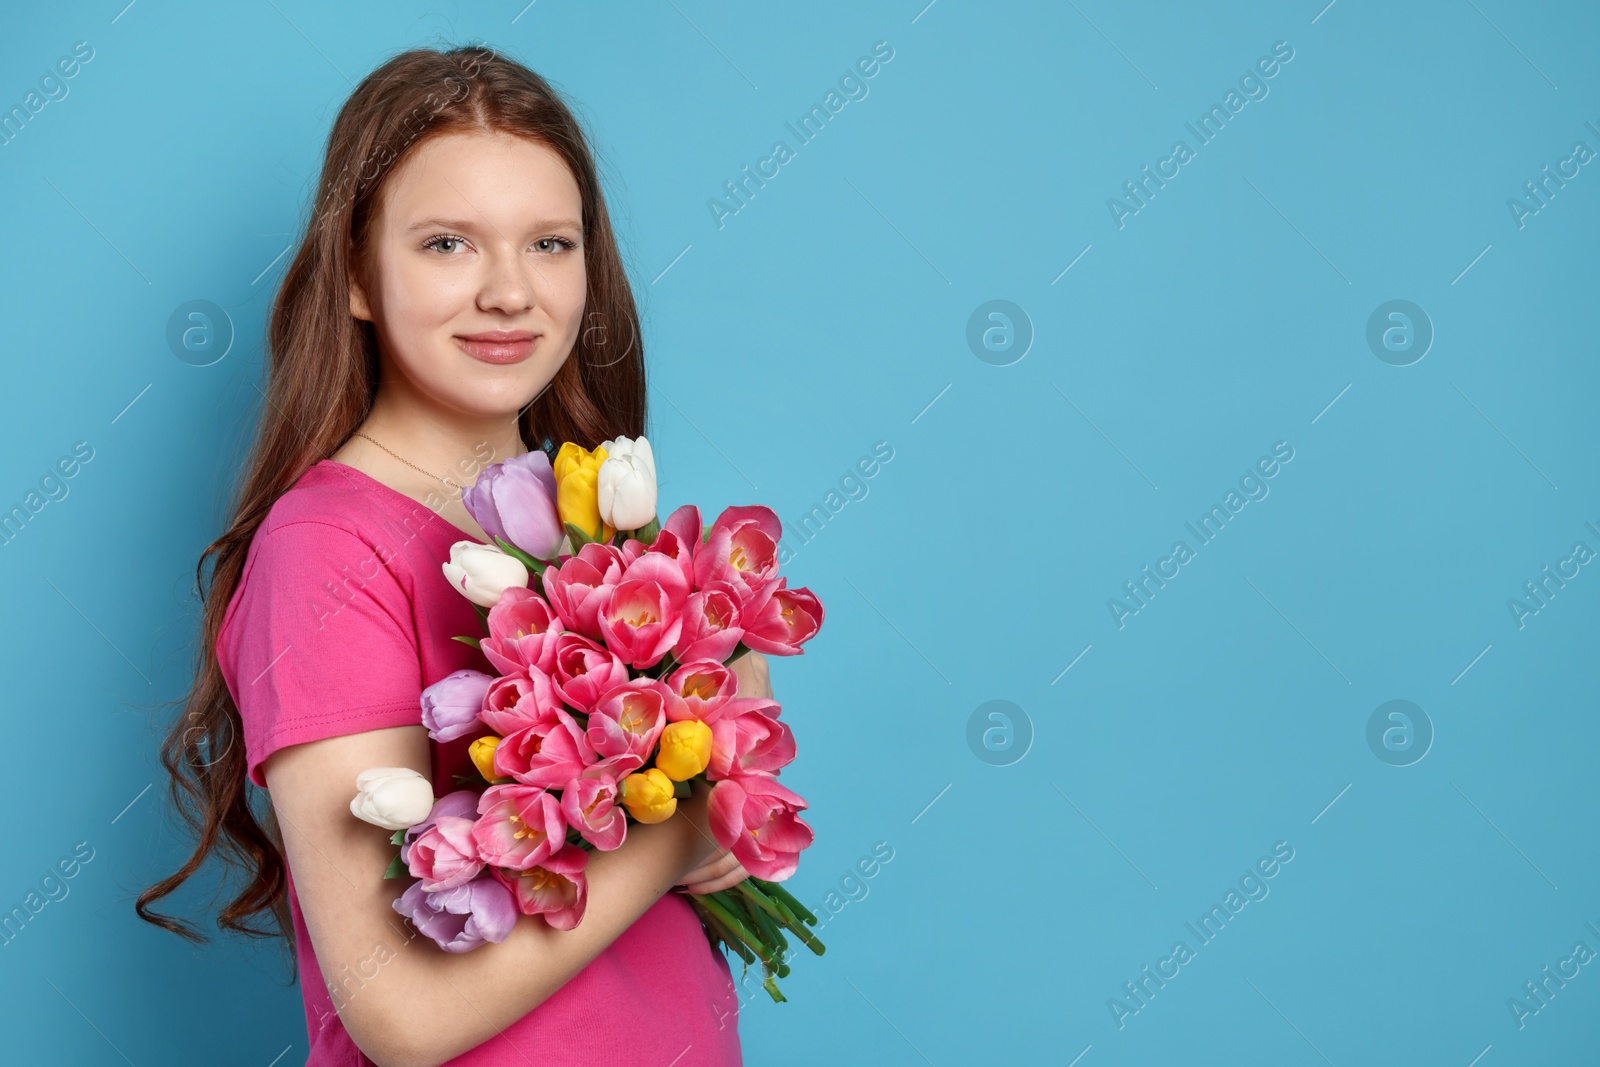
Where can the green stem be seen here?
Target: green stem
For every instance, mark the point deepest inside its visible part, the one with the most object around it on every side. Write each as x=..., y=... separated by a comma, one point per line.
x=726, y=936
x=777, y=890
x=710, y=909
x=774, y=937
x=810, y=940
x=785, y=916
x=725, y=915
x=766, y=903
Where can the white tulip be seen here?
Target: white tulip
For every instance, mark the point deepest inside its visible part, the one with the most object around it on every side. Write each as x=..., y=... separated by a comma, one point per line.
x=482, y=572
x=627, y=484
x=395, y=798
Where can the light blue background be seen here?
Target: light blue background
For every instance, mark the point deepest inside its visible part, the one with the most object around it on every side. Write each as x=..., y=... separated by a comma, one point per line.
x=1229, y=314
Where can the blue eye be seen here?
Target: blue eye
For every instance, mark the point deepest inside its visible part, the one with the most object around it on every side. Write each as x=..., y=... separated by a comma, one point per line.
x=443, y=237
x=450, y=239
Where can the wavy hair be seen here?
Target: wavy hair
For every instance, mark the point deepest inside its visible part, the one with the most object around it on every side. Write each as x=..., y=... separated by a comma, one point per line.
x=322, y=377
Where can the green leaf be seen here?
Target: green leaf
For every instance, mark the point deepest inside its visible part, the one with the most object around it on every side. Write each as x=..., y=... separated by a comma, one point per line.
x=473, y=641
x=535, y=567
x=397, y=838
x=647, y=532
x=680, y=789
x=397, y=869
x=579, y=535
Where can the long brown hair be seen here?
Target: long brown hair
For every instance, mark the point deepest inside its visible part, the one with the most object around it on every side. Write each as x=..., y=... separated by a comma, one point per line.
x=321, y=381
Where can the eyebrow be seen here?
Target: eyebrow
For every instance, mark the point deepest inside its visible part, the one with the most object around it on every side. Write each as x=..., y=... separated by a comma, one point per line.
x=468, y=225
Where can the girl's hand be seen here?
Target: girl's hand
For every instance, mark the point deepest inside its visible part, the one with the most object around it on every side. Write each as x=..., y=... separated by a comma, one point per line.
x=751, y=670
x=713, y=867
x=721, y=871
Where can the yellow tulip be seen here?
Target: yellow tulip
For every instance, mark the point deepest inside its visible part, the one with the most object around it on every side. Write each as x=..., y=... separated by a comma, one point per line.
x=685, y=749
x=648, y=795
x=577, y=472
x=481, y=753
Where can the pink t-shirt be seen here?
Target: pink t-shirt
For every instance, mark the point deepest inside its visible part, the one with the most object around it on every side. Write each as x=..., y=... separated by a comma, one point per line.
x=341, y=618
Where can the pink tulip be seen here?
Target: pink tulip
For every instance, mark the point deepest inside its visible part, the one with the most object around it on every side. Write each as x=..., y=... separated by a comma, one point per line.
x=522, y=630
x=548, y=754
x=788, y=619
x=628, y=719
x=685, y=524
x=711, y=624
x=584, y=670
x=755, y=518
x=618, y=766
x=757, y=819
x=518, y=700
x=592, y=806
x=579, y=584
x=462, y=803
x=698, y=689
x=678, y=539
x=748, y=739
x=515, y=500
x=521, y=826
x=631, y=549
x=742, y=550
x=643, y=615
x=445, y=854
x=557, y=888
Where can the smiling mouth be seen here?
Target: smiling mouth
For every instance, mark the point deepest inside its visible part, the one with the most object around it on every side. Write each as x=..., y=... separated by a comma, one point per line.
x=498, y=349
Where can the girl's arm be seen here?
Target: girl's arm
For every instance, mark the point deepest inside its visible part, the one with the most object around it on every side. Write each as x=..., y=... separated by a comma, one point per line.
x=403, y=1001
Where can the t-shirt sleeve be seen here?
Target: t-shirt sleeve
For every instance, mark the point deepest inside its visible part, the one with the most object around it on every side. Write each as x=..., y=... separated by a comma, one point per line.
x=320, y=641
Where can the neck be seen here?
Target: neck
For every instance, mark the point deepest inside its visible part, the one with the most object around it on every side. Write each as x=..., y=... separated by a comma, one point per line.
x=447, y=444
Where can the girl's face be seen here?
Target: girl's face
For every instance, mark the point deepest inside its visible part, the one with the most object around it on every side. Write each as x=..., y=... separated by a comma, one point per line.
x=474, y=273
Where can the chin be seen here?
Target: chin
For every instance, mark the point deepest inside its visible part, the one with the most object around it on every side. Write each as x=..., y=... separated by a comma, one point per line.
x=504, y=400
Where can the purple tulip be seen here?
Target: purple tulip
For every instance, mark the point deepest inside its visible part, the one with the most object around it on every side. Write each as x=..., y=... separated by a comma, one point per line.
x=462, y=803
x=515, y=500
x=461, y=919
x=450, y=706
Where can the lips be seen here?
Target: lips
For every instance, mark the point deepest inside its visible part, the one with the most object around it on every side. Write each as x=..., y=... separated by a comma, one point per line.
x=498, y=346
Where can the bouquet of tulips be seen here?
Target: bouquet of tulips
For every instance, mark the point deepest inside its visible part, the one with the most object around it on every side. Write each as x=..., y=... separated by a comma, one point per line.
x=611, y=633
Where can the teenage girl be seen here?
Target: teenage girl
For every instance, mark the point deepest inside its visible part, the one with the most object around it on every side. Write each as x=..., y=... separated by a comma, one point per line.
x=457, y=298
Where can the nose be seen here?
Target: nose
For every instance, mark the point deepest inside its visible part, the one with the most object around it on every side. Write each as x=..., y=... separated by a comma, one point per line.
x=510, y=281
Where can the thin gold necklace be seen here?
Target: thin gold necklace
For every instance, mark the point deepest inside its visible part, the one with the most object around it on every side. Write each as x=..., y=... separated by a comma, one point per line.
x=408, y=463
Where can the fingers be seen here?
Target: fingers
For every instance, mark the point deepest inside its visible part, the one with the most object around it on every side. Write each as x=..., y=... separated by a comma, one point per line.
x=763, y=676
x=719, y=866
x=754, y=679
x=725, y=881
